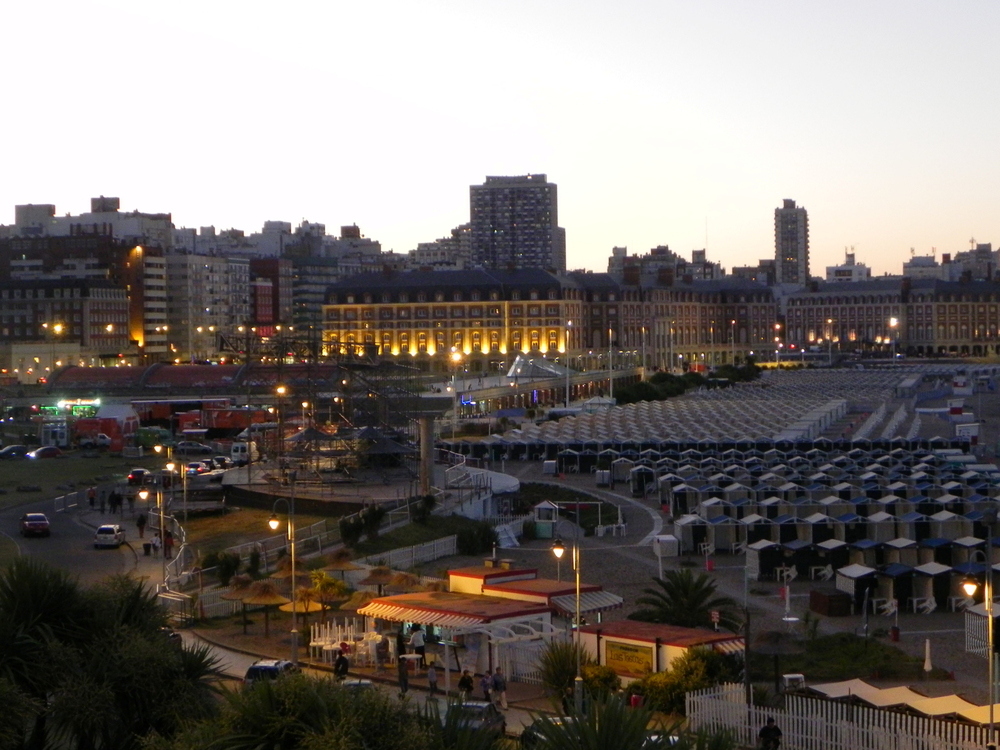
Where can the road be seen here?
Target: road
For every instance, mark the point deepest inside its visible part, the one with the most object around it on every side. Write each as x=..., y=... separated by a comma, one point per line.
x=71, y=546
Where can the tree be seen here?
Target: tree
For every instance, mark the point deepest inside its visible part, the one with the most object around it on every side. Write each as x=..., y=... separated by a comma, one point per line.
x=685, y=600
x=558, y=666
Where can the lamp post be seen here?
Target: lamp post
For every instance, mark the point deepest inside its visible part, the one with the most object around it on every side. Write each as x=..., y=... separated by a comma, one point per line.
x=611, y=368
x=569, y=326
x=732, y=342
x=558, y=549
x=274, y=522
x=970, y=586
x=829, y=338
x=305, y=407
x=143, y=495
x=893, y=322
x=280, y=391
x=456, y=357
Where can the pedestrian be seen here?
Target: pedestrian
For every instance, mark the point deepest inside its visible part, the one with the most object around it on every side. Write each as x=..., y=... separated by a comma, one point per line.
x=381, y=652
x=341, y=666
x=499, y=689
x=131, y=503
x=168, y=544
x=404, y=678
x=465, y=685
x=140, y=523
x=486, y=685
x=769, y=735
x=103, y=501
x=432, y=678
x=92, y=496
x=156, y=544
x=417, y=644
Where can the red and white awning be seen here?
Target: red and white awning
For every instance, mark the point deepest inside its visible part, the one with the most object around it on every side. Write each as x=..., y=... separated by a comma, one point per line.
x=398, y=613
x=590, y=601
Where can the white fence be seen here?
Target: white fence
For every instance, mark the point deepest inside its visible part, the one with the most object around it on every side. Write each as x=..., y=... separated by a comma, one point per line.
x=816, y=724
x=409, y=557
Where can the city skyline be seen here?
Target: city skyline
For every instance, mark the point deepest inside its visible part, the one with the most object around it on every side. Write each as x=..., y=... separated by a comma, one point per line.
x=676, y=124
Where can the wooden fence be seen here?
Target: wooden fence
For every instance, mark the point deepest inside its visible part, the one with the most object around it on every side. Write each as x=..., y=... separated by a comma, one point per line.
x=408, y=557
x=809, y=723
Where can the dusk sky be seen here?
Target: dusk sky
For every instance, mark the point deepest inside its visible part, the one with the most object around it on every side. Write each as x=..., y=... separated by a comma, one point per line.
x=677, y=123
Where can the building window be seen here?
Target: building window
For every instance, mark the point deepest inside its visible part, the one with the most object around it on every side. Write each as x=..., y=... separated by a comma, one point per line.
x=494, y=341
x=477, y=344
x=404, y=343
x=422, y=342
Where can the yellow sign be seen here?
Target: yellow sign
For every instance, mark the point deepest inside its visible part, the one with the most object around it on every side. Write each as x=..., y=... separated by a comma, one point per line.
x=628, y=660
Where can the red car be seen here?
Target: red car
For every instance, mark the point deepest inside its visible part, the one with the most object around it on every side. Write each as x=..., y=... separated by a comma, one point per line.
x=35, y=524
x=46, y=451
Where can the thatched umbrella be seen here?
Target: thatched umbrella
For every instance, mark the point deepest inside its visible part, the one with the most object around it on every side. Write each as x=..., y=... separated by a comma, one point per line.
x=340, y=561
x=305, y=602
x=380, y=576
x=265, y=594
x=240, y=587
x=405, y=583
x=777, y=644
x=358, y=600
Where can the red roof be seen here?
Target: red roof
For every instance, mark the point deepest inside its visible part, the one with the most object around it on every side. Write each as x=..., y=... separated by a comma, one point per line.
x=669, y=635
x=193, y=376
x=480, y=608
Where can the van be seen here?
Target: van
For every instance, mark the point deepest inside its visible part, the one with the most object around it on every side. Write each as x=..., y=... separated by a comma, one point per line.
x=243, y=453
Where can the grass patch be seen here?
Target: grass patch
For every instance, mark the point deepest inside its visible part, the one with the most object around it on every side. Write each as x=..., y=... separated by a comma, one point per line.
x=8, y=551
x=437, y=527
x=598, y=512
x=842, y=656
x=216, y=532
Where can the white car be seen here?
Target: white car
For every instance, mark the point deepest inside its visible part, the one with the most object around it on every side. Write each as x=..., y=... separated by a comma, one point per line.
x=109, y=535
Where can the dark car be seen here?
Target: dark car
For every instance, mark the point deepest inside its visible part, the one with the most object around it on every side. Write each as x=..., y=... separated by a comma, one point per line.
x=268, y=669
x=137, y=477
x=222, y=462
x=477, y=715
x=46, y=451
x=35, y=524
x=14, y=451
x=191, y=447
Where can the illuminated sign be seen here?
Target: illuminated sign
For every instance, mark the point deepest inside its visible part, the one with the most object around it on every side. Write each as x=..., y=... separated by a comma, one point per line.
x=627, y=659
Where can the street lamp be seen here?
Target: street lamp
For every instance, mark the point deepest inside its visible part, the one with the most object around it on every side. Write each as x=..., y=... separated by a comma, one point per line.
x=143, y=495
x=893, y=322
x=558, y=549
x=569, y=325
x=970, y=586
x=280, y=391
x=611, y=368
x=732, y=341
x=274, y=522
x=829, y=322
x=456, y=357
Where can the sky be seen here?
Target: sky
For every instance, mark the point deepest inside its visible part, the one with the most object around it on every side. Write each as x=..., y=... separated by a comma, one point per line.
x=663, y=123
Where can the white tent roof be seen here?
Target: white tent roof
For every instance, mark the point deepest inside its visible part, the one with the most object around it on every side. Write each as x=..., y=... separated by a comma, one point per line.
x=855, y=571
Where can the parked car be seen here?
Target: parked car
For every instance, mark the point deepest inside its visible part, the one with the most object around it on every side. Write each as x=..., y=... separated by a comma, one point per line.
x=477, y=715
x=268, y=669
x=193, y=448
x=222, y=462
x=14, y=451
x=35, y=524
x=109, y=535
x=100, y=440
x=137, y=477
x=46, y=451
x=358, y=684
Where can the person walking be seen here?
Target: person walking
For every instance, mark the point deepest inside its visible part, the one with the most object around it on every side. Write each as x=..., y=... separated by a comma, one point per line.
x=168, y=544
x=404, y=678
x=92, y=496
x=341, y=666
x=465, y=685
x=432, y=679
x=417, y=644
x=156, y=544
x=499, y=689
x=486, y=685
x=769, y=735
x=140, y=524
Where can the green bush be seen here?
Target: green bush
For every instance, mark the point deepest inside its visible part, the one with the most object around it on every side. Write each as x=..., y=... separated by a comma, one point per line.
x=476, y=540
x=371, y=520
x=351, y=529
x=664, y=691
x=253, y=564
x=227, y=566
x=599, y=679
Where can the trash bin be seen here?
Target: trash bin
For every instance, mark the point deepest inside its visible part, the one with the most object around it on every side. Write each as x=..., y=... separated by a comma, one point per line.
x=635, y=700
x=894, y=634
x=147, y=548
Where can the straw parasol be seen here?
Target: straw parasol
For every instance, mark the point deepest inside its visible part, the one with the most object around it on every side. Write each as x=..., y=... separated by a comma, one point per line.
x=340, y=561
x=265, y=594
x=380, y=576
x=240, y=587
x=405, y=583
x=358, y=600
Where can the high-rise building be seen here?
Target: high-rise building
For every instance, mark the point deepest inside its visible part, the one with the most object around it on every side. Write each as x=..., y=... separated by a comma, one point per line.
x=515, y=224
x=791, y=243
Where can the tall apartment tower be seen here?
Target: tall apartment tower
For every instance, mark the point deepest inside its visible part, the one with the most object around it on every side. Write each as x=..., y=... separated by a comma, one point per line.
x=515, y=224
x=791, y=243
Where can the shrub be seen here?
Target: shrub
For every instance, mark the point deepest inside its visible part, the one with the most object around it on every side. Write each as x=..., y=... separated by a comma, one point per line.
x=253, y=564
x=558, y=666
x=422, y=508
x=227, y=565
x=351, y=529
x=371, y=520
x=477, y=539
x=665, y=691
x=599, y=679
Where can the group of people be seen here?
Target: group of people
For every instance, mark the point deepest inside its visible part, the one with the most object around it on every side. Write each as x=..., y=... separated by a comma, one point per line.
x=112, y=501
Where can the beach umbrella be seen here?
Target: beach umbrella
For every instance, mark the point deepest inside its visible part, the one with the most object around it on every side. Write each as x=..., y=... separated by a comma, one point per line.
x=357, y=600
x=340, y=562
x=240, y=587
x=264, y=594
x=380, y=576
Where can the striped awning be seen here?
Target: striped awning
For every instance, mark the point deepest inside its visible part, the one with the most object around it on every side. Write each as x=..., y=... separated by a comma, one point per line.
x=734, y=646
x=590, y=601
x=397, y=613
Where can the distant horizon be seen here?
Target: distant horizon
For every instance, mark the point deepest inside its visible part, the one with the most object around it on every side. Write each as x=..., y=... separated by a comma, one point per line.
x=662, y=122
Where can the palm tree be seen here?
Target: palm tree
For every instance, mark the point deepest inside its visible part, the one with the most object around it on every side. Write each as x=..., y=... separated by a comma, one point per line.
x=685, y=600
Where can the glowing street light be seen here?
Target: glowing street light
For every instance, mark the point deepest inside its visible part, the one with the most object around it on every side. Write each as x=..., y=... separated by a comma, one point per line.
x=559, y=549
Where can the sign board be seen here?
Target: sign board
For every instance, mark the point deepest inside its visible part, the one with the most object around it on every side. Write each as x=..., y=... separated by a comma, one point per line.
x=628, y=660
x=715, y=616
